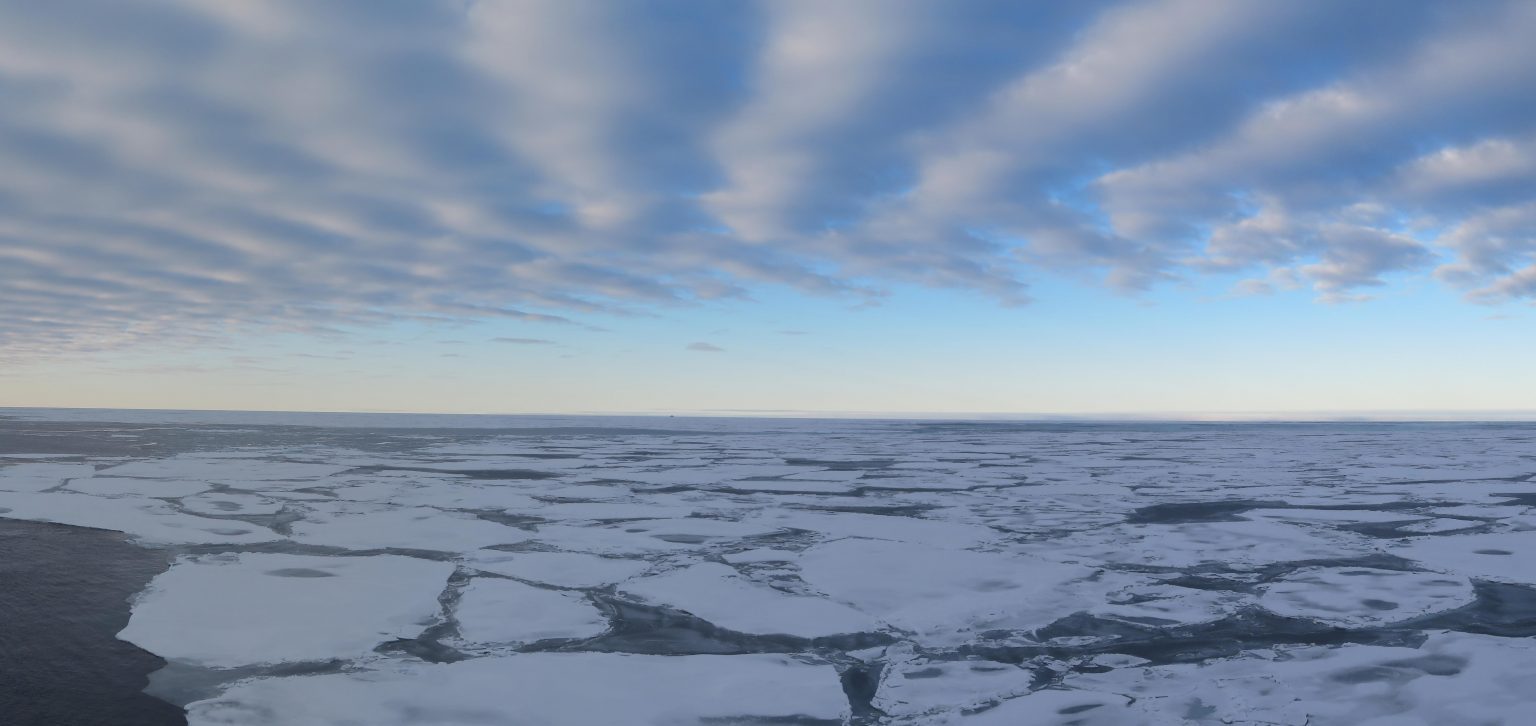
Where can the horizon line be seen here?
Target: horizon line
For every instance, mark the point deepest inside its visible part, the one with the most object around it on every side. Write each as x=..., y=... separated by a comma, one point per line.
x=1298, y=416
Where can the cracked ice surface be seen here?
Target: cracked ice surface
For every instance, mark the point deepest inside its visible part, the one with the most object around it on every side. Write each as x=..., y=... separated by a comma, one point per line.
x=341, y=569
x=246, y=609
x=550, y=689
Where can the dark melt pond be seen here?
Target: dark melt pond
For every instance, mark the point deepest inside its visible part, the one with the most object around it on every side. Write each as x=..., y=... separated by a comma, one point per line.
x=63, y=598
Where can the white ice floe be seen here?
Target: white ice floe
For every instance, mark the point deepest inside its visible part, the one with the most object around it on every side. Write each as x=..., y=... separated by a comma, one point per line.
x=879, y=526
x=844, y=475
x=700, y=528
x=1053, y=707
x=226, y=611
x=231, y=504
x=38, y=477
x=1453, y=678
x=944, y=595
x=586, y=492
x=1440, y=525
x=718, y=594
x=561, y=569
x=1158, y=604
x=495, y=611
x=371, y=527
x=148, y=520
x=547, y=689
x=442, y=493
x=912, y=685
x=813, y=486
x=1240, y=544
x=759, y=554
x=1358, y=597
x=1340, y=516
x=610, y=511
x=209, y=468
x=603, y=539
x=111, y=486
x=1482, y=511
x=1502, y=556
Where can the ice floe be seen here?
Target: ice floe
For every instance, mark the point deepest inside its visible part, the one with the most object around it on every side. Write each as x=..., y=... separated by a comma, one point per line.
x=1502, y=556
x=495, y=611
x=1355, y=597
x=562, y=569
x=148, y=520
x=649, y=571
x=548, y=689
x=941, y=595
x=720, y=595
x=226, y=611
x=39, y=477
x=373, y=527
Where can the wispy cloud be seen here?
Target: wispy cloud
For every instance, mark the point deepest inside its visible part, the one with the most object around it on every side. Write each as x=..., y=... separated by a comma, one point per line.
x=523, y=341
x=702, y=347
x=188, y=170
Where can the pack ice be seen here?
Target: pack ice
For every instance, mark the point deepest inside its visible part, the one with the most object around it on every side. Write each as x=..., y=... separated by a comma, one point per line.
x=657, y=571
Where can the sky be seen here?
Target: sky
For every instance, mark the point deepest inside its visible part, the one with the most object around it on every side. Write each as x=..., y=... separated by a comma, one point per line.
x=1105, y=207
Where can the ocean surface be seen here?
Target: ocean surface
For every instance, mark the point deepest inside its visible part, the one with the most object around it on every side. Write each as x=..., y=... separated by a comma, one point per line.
x=258, y=568
x=64, y=595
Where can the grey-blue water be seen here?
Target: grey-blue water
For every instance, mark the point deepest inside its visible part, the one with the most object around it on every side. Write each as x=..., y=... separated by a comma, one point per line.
x=63, y=597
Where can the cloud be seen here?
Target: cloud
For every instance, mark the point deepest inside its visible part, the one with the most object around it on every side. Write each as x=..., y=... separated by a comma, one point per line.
x=702, y=347
x=187, y=171
x=523, y=341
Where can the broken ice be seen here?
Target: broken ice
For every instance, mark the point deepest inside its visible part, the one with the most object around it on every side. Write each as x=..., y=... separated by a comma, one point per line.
x=686, y=571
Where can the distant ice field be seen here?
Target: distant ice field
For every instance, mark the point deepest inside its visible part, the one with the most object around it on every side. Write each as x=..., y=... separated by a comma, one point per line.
x=393, y=569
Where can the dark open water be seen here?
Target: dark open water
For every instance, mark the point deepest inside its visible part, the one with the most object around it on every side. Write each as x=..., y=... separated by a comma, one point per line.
x=63, y=597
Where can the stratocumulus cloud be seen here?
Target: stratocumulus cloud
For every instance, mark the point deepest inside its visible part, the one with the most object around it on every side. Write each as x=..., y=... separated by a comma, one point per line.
x=171, y=168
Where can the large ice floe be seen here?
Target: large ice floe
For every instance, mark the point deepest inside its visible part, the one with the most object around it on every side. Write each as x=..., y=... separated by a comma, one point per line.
x=332, y=570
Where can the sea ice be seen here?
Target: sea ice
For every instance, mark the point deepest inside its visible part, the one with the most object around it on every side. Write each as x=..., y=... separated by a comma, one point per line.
x=1242, y=544
x=1453, y=678
x=1325, y=516
x=1054, y=707
x=1502, y=556
x=718, y=594
x=547, y=689
x=496, y=611
x=371, y=527
x=37, y=477
x=111, y=486
x=230, y=503
x=945, y=595
x=1358, y=597
x=149, y=520
x=561, y=569
x=1164, y=605
x=222, y=468
x=226, y=611
x=911, y=685
x=879, y=526
x=759, y=554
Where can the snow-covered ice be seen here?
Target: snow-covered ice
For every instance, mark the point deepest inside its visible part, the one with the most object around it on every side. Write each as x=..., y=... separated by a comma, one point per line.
x=547, y=689
x=942, y=595
x=561, y=570
x=371, y=527
x=1354, y=597
x=39, y=477
x=493, y=611
x=233, y=610
x=1502, y=556
x=720, y=595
